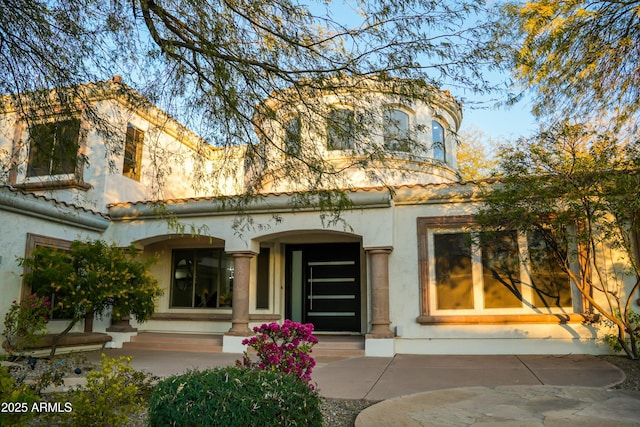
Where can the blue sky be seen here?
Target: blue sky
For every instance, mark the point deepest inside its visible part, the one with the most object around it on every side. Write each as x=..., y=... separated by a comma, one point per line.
x=501, y=124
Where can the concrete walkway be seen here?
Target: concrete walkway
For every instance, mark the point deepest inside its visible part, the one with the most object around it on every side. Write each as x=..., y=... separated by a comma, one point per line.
x=424, y=390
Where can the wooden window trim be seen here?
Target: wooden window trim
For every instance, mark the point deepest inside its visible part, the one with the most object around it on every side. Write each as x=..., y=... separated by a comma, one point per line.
x=137, y=141
x=426, y=318
x=35, y=240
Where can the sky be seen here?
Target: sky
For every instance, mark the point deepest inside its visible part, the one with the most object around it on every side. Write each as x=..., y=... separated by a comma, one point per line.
x=503, y=124
x=499, y=124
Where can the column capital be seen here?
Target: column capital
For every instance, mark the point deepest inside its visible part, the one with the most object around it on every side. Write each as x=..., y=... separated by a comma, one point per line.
x=242, y=254
x=379, y=249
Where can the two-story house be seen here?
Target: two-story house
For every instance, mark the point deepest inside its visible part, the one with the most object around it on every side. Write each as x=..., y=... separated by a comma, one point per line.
x=399, y=269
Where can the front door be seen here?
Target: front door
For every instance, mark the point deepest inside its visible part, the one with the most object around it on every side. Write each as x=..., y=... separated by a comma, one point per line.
x=323, y=284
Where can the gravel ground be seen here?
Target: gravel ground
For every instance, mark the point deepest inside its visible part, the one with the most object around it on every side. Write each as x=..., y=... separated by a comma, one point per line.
x=342, y=413
x=631, y=369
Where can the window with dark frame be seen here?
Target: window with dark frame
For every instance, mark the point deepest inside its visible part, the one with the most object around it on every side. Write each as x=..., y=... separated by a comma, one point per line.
x=34, y=241
x=53, y=148
x=340, y=129
x=262, y=279
x=201, y=278
x=132, y=153
x=292, y=136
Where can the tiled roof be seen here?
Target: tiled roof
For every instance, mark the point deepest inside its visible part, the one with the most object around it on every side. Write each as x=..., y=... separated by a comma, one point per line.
x=52, y=201
x=291, y=193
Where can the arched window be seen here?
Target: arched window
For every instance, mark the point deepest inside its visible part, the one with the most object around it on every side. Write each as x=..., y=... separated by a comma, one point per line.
x=396, y=130
x=340, y=128
x=292, y=136
x=439, y=150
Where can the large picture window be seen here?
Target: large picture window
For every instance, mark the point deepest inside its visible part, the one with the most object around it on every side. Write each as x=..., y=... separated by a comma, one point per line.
x=34, y=241
x=201, y=278
x=467, y=273
x=53, y=148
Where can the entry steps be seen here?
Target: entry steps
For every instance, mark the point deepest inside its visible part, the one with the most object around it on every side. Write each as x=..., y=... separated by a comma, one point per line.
x=201, y=343
x=328, y=345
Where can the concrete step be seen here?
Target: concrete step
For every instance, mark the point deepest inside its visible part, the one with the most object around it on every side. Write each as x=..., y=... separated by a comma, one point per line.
x=204, y=343
x=328, y=345
x=339, y=346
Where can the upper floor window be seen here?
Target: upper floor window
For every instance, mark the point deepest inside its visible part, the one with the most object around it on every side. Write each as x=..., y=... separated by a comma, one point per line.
x=133, y=153
x=439, y=151
x=292, y=136
x=53, y=148
x=340, y=129
x=396, y=130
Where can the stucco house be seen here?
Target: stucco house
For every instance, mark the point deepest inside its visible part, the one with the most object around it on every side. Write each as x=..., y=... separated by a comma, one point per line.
x=399, y=270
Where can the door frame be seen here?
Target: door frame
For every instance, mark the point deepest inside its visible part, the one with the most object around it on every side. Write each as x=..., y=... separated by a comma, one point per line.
x=305, y=248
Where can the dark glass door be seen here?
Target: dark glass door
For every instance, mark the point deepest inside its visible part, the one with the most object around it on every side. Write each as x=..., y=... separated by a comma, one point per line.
x=324, y=286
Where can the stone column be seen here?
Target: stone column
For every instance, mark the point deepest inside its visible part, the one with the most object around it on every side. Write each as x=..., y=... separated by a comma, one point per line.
x=240, y=305
x=379, y=267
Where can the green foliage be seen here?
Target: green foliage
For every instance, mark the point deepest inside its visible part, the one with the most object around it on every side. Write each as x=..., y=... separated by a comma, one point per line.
x=25, y=323
x=92, y=277
x=613, y=340
x=580, y=55
x=576, y=188
x=112, y=394
x=210, y=64
x=476, y=159
x=234, y=396
x=47, y=374
x=18, y=397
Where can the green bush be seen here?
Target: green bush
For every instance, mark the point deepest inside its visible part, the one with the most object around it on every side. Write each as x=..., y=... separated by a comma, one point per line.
x=16, y=400
x=234, y=396
x=112, y=394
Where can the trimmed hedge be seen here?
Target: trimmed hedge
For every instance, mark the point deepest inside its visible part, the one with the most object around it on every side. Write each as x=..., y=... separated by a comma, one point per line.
x=234, y=396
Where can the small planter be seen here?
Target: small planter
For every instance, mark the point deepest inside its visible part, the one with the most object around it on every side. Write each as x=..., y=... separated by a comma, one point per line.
x=121, y=325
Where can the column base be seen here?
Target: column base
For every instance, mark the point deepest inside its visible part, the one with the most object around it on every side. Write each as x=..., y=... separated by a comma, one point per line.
x=121, y=325
x=379, y=347
x=119, y=338
x=232, y=343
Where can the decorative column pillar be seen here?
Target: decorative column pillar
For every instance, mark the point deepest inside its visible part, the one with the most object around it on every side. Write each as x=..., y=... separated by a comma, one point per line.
x=240, y=305
x=379, y=267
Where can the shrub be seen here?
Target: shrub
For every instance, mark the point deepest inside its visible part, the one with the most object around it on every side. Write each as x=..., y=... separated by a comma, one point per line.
x=285, y=348
x=25, y=323
x=92, y=278
x=234, y=396
x=111, y=395
x=613, y=340
x=16, y=399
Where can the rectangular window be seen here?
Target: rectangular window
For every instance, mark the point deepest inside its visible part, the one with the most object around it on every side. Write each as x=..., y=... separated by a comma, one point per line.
x=292, y=136
x=502, y=272
x=53, y=148
x=262, y=282
x=34, y=241
x=201, y=278
x=340, y=129
x=454, y=283
x=551, y=285
x=133, y=153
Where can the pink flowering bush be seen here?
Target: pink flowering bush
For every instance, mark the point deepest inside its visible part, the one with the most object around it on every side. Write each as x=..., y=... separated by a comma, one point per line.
x=25, y=323
x=285, y=348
